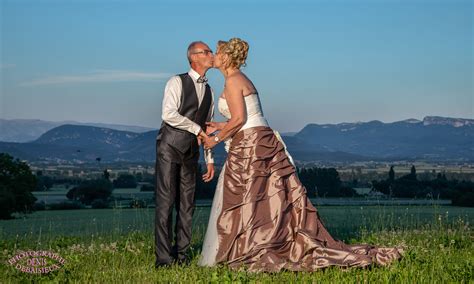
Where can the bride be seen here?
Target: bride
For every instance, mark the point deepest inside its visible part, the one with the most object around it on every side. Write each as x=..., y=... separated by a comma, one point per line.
x=261, y=217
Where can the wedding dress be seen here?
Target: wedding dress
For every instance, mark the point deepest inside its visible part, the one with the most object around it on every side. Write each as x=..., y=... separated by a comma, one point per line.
x=261, y=217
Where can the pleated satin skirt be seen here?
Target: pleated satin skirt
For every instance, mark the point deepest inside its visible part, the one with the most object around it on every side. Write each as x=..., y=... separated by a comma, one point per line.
x=267, y=222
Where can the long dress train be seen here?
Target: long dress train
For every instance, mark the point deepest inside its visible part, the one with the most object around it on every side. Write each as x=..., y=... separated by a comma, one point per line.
x=264, y=220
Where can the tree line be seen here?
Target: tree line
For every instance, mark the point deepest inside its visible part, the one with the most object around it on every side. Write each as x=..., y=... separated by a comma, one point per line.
x=17, y=183
x=408, y=186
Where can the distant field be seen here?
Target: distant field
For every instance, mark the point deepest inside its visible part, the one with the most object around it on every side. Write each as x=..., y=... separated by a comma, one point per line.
x=56, y=195
x=343, y=221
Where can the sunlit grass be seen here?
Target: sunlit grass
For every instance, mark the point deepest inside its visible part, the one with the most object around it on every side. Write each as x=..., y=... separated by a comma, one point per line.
x=117, y=246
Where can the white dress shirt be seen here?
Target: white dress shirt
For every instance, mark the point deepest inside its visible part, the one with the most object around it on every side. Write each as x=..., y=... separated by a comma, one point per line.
x=172, y=102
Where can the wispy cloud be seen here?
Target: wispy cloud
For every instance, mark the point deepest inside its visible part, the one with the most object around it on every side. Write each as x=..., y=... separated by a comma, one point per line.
x=99, y=76
x=6, y=65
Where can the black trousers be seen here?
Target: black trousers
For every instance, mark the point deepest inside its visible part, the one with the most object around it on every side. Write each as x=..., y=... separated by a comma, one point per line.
x=176, y=175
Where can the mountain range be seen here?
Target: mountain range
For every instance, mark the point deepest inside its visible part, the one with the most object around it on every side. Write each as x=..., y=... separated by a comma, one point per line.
x=28, y=130
x=433, y=138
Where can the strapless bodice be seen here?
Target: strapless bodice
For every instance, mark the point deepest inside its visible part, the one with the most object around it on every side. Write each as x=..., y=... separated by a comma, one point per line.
x=253, y=108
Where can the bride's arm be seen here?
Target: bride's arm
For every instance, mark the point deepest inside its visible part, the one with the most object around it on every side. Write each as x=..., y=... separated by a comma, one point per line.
x=236, y=103
x=213, y=126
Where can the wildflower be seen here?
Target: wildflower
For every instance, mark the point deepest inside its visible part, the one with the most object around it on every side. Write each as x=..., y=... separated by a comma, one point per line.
x=91, y=248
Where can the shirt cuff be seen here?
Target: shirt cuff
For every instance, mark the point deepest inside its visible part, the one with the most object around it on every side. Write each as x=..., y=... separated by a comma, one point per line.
x=208, y=157
x=195, y=129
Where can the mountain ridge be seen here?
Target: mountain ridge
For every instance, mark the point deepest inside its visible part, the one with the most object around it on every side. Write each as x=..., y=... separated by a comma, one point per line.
x=434, y=138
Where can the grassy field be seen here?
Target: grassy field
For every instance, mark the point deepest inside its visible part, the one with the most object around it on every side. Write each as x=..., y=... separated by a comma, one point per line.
x=116, y=245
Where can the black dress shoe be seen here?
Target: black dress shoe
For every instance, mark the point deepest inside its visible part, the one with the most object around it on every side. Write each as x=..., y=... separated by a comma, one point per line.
x=162, y=265
x=182, y=261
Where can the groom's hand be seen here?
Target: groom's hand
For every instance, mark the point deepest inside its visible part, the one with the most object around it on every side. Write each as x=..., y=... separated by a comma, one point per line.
x=209, y=175
x=201, y=137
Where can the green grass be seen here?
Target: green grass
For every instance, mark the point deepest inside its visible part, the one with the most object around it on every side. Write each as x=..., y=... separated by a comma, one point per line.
x=108, y=246
x=344, y=222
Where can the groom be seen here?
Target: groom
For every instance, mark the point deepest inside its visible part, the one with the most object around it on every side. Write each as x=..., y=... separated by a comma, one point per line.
x=187, y=105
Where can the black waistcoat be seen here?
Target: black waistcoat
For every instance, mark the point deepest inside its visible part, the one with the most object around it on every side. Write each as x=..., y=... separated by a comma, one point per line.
x=182, y=140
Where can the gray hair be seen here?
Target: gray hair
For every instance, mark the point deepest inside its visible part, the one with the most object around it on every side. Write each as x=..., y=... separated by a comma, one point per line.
x=191, y=47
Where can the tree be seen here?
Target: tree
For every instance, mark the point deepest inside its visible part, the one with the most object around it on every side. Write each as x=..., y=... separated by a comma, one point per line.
x=106, y=174
x=99, y=204
x=323, y=182
x=147, y=187
x=382, y=186
x=464, y=194
x=125, y=181
x=91, y=190
x=139, y=177
x=391, y=174
x=413, y=171
x=98, y=159
x=43, y=183
x=7, y=202
x=16, y=184
x=347, y=191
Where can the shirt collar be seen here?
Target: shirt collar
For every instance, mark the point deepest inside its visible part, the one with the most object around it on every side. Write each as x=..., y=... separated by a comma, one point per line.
x=195, y=75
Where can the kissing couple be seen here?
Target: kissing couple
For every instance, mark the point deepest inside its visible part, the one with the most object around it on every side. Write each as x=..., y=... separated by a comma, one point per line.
x=261, y=218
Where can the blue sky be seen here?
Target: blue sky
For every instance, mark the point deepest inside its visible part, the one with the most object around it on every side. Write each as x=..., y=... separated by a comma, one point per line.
x=312, y=61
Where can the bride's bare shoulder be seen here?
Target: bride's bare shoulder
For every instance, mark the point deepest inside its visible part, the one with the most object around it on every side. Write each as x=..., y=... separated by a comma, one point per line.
x=236, y=77
x=233, y=82
x=239, y=79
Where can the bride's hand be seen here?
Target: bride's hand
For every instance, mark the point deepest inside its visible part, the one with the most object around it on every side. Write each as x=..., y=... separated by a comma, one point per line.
x=209, y=142
x=213, y=126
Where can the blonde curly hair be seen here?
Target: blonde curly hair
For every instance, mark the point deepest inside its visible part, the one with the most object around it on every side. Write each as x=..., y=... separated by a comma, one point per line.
x=237, y=51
